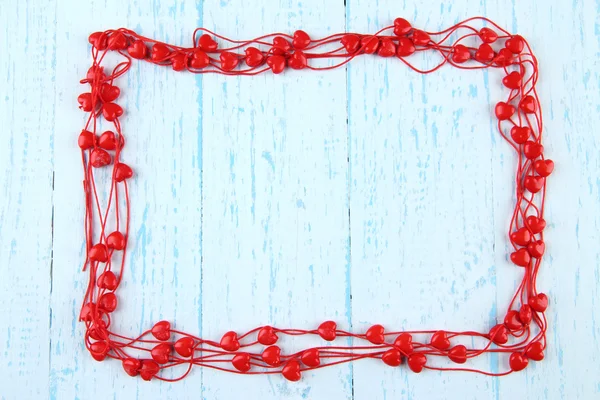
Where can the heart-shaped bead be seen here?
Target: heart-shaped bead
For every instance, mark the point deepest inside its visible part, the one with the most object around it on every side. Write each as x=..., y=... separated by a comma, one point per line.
x=460, y=54
x=117, y=41
x=199, y=59
x=517, y=361
x=87, y=312
x=281, y=45
x=487, y=35
x=536, y=248
x=98, y=253
x=528, y=104
x=230, y=342
x=327, y=330
x=86, y=140
x=392, y=357
x=504, y=58
x=99, y=40
x=538, y=302
x=499, y=334
x=535, y=351
x=351, y=43
x=440, y=341
x=99, y=350
x=404, y=343
x=301, y=40
x=229, y=60
x=161, y=353
x=515, y=44
x=162, y=330
x=512, y=321
x=267, y=336
x=85, y=102
x=535, y=224
x=405, y=47
x=132, y=366
x=107, y=280
x=116, y=240
x=99, y=158
x=254, y=57
x=137, y=49
x=525, y=314
x=485, y=53
x=98, y=330
x=149, y=369
x=107, y=140
x=504, y=110
x=369, y=44
x=272, y=356
x=96, y=73
x=543, y=167
x=159, y=52
x=298, y=60
x=111, y=111
x=207, y=43
x=375, y=334
x=185, y=346
x=387, y=48
x=420, y=38
x=311, y=358
x=109, y=92
x=179, y=62
x=532, y=150
x=401, y=27
x=458, y=354
x=533, y=183
x=291, y=371
x=276, y=63
x=108, y=302
x=520, y=134
x=416, y=362
x=521, y=237
x=241, y=362
x=520, y=257
x=512, y=80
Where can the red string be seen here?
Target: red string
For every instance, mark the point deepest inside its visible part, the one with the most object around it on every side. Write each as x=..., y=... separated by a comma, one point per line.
x=522, y=334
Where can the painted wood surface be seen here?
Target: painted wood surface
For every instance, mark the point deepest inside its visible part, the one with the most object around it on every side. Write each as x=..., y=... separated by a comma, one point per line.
x=366, y=195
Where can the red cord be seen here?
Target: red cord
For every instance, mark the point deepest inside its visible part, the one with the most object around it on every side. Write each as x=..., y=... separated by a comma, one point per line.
x=522, y=335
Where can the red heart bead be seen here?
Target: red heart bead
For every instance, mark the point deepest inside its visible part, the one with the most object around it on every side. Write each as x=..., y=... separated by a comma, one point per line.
x=207, y=43
x=535, y=351
x=115, y=240
x=85, y=102
x=301, y=40
x=132, y=366
x=161, y=353
x=185, y=346
x=532, y=150
x=254, y=57
x=392, y=357
x=487, y=35
x=99, y=350
x=517, y=361
x=98, y=253
x=504, y=110
x=162, y=330
x=525, y=314
x=108, y=302
x=111, y=111
x=537, y=248
x=401, y=27
x=272, y=356
x=440, y=341
x=533, y=183
x=137, y=49
x=107, y=280
x=281, y=45
x=499, y=334
x=327, y=330
x=460, y=54
x=99, y=158
x=229, y=341
x=484, y=53
x=109, y=92
x=149, y=369
x=405, y=47
x=404, y=343
x=267, y=336
x=86, y=140
x=351, y=43
x=543, y=167
x=117, y=41
x=179, y=62
x=98, y=330
x=159, y=52
x=311, y=358
x=420, y=38
x=512, y=80
x=520, y=134
x=515, y=44
x=369, y=44
x=87, y=312
x=108, y=140
x=512, y=321
x=539, y=302
x=241, y=362
x=387, y=48
x=122, y=172
x=504, y=58
x=199, y=59
x=95, y=73
x=521, y=237
x=520, y=257
x=298, y=60
x=416, y=362
x=528, y=104
x=276, y=63
x=99, y=40
x=291, y=371
x=375, y=334
x=229, y=60
x=535, y=224
x=458, y=354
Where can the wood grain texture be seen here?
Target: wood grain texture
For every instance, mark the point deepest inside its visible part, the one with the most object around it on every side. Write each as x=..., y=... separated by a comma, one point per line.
x=366, y=195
